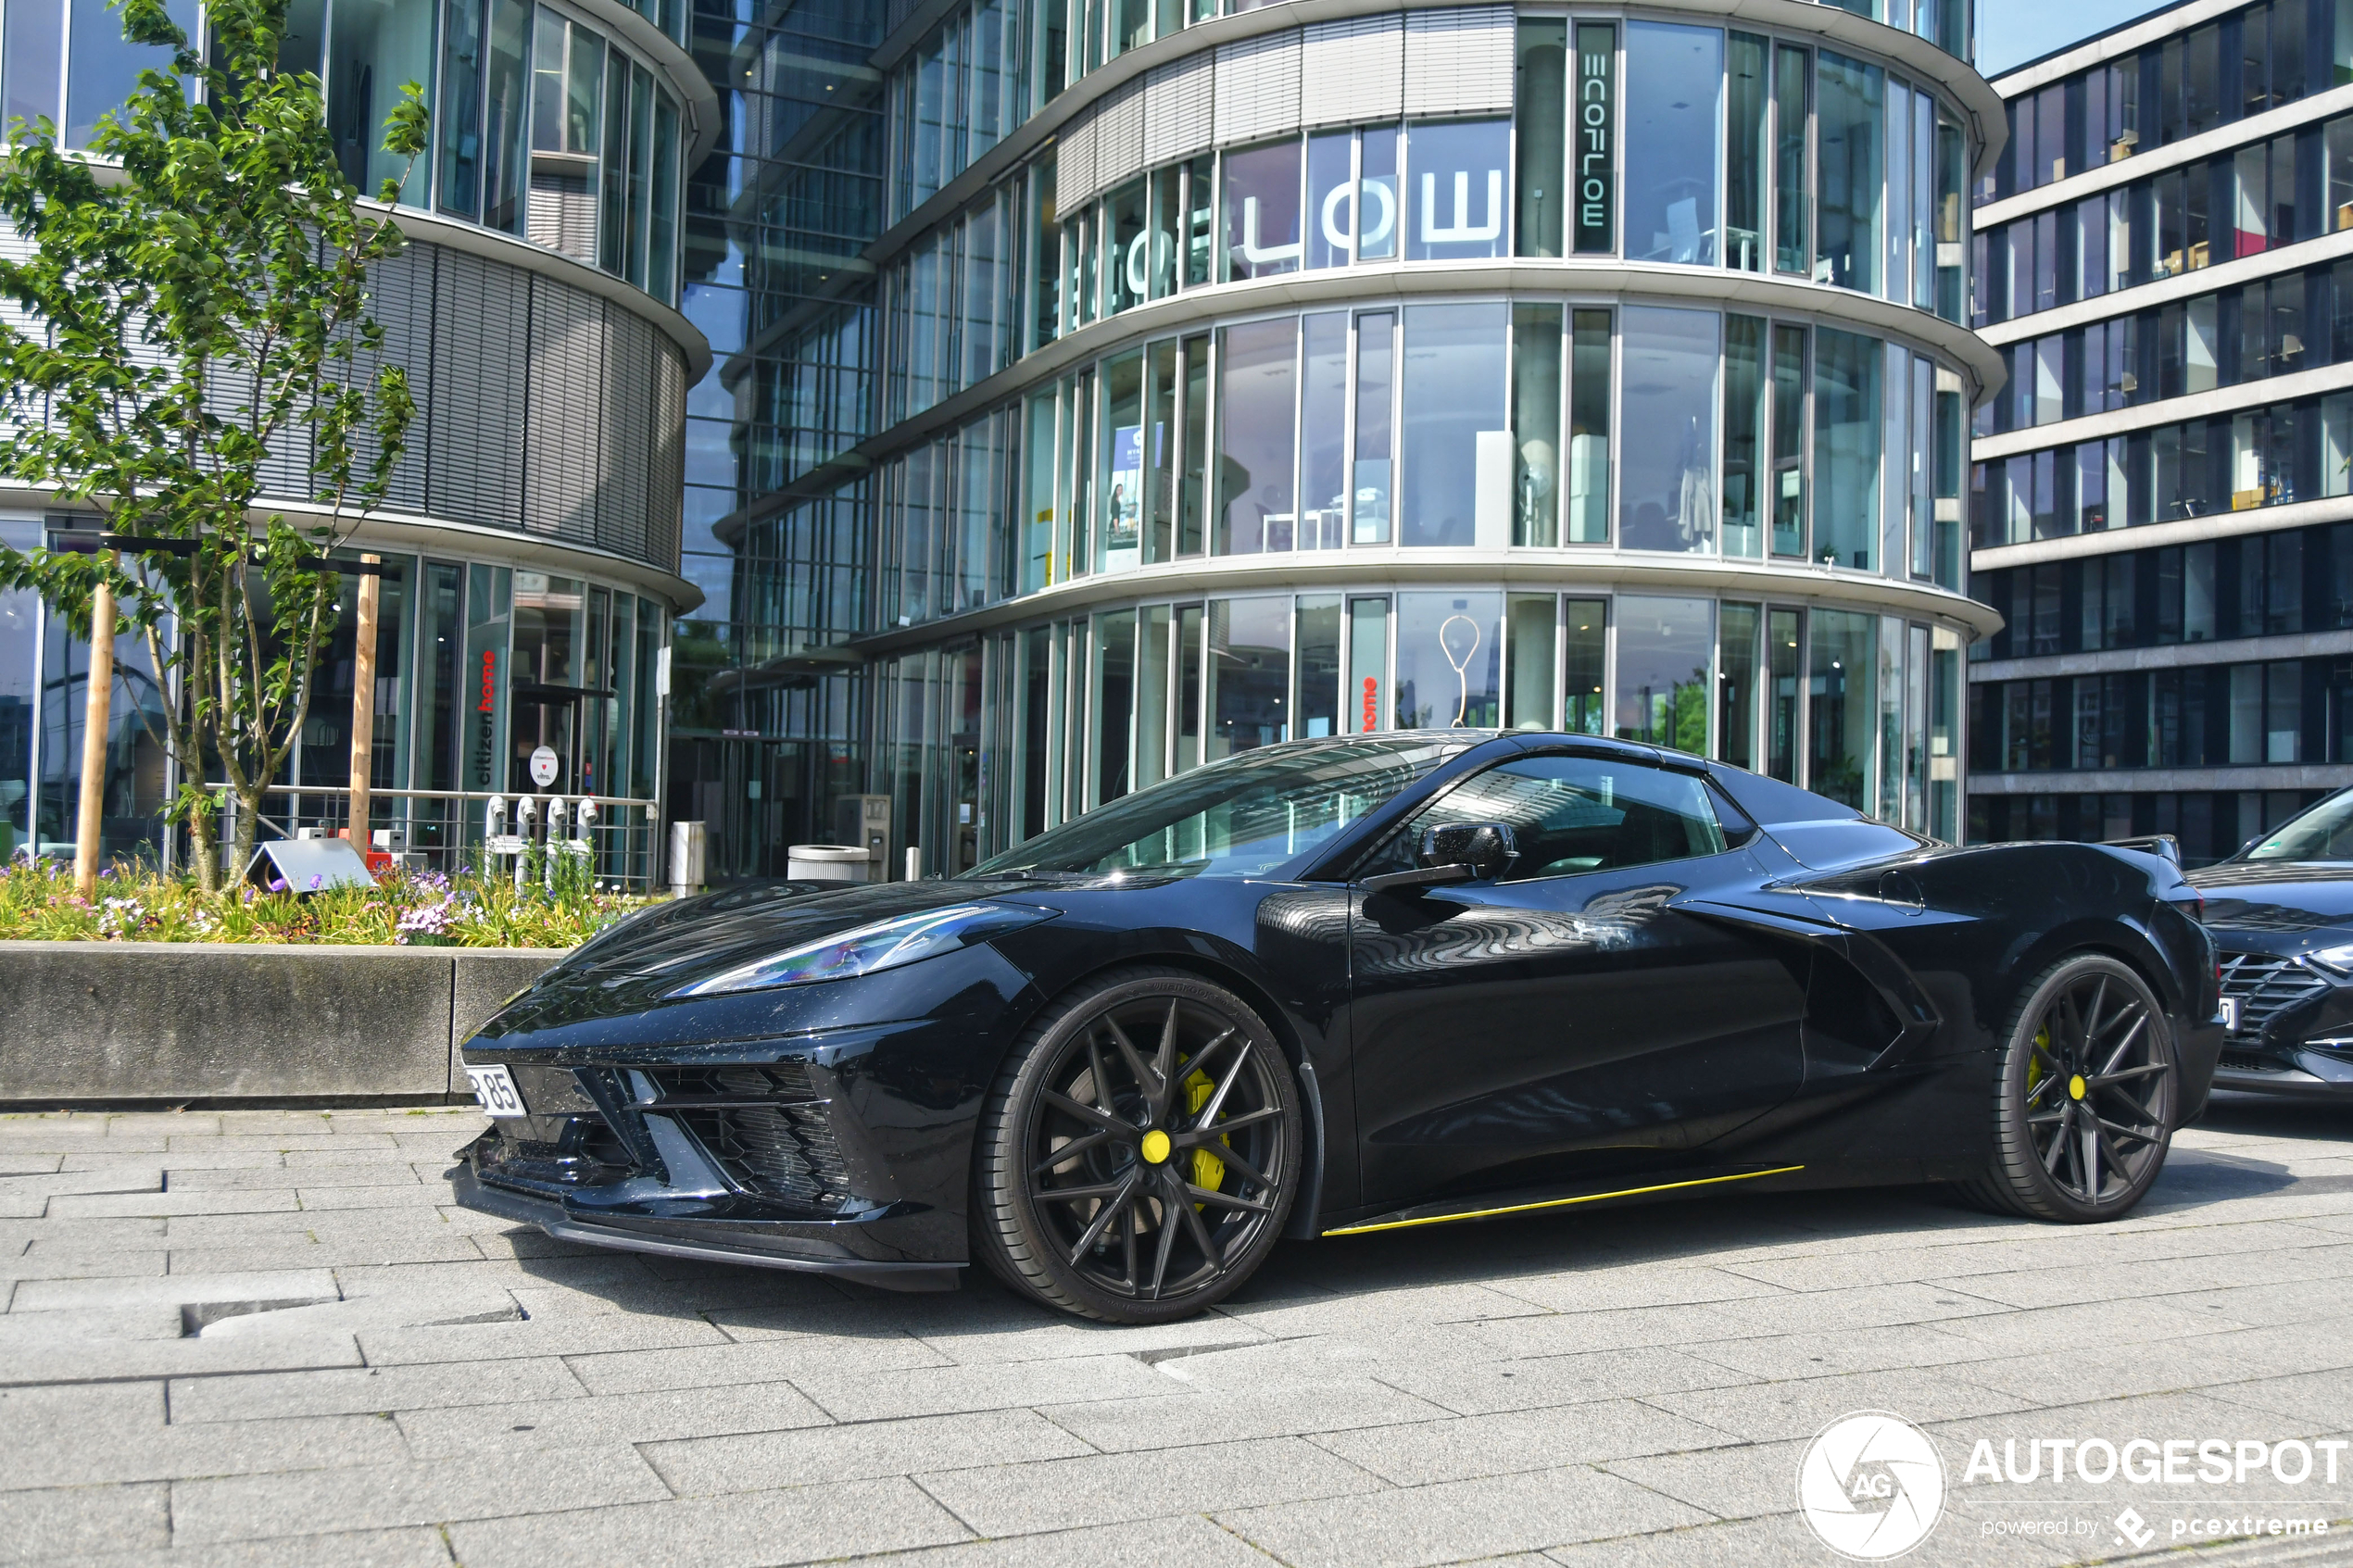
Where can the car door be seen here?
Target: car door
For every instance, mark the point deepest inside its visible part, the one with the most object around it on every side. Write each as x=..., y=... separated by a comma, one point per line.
x=1566, y=1019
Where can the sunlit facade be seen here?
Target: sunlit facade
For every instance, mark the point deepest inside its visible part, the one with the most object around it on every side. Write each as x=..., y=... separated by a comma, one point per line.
x=2162, y=497
x=531, y=539
x=1243, y=377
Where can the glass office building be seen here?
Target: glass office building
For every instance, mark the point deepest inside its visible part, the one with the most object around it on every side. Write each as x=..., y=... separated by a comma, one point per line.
x=1239, y=377
x=2162, y=497
x=531, y=539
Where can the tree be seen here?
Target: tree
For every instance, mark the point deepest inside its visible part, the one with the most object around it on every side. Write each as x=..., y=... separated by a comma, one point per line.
x=195, y=294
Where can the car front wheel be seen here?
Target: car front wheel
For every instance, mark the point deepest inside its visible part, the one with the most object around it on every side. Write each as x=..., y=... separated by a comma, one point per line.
x=2086, y=1095
x=1138, y=1153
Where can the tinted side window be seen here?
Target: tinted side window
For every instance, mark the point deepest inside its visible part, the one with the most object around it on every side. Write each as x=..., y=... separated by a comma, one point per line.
x=1574, y=814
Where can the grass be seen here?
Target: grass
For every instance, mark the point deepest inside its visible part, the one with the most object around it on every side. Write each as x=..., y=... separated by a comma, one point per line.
x=139, y=904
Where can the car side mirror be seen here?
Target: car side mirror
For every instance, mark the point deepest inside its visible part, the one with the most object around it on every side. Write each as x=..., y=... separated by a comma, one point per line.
x=1457, y=852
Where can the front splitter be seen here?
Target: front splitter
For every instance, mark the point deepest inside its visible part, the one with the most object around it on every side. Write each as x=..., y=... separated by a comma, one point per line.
x=565, y=1225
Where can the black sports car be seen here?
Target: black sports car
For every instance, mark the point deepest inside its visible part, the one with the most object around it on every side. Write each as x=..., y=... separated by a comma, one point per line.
x=1343, y=986
x=2282, y=913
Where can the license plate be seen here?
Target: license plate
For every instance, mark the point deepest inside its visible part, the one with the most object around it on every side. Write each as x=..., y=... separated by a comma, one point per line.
x=2230, y=1015
x=495, y=1087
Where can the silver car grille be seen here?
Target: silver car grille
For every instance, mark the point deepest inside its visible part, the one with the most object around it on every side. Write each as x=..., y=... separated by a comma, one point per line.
x=2266, y=986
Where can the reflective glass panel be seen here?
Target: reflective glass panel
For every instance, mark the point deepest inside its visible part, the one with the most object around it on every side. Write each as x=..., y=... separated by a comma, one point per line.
x=1674, y=92
x=1666, y=481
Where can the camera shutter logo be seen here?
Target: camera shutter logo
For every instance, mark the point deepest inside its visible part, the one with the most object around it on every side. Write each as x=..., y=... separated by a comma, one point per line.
x=1871, y=1486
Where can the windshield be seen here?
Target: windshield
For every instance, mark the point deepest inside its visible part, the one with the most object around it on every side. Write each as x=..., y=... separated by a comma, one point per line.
x=1242, y=817
x=2325, y=833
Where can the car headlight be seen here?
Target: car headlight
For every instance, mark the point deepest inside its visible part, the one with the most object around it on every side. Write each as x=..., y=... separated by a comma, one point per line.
x=884, y=944
x=2337, y=961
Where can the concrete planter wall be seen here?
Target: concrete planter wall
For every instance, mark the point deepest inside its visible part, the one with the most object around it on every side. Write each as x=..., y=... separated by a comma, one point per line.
x=173, y=1022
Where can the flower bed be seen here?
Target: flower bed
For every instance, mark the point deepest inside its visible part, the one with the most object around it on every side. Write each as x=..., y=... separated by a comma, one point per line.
x=38, y=903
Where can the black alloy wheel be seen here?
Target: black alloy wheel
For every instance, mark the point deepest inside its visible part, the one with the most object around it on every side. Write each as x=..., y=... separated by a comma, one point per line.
x=2085, y=1096
x=1138, y=1156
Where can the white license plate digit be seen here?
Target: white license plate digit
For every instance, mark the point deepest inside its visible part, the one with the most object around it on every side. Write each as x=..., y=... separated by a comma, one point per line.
x=2230, y=1015
x=495, y=1088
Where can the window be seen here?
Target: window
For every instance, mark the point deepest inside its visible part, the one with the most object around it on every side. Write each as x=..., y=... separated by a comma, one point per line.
x=1744, y=408
x=1665, y=647
x=1846, y=447
x=1583, y=624
x=1542, y=96
x=1588, y=428
x=1456, y=171
x=1370, y=471
x=1852, y=177
x=1449, y=650
x=1248, y=673
x=1736, y=685
x=1674, y=88
x=1575, y=814
x=1457, y=477
x=1323, y=425
x=1529, y=660
x=1536, y=423
x=1788, y=441
x=1745, y=155
x=1256, y=403
x=1842, y=707
x=1261, y=204
x=1667, y=454
x=1790, y=184
x=378, y=45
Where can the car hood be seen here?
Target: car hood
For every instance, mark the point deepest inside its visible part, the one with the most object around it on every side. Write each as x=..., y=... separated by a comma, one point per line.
x=2278, y=899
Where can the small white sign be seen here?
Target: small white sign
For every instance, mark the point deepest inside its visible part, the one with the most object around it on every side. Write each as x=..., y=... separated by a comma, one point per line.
x=544, y=766
x=495, y=1090
x=504, y=843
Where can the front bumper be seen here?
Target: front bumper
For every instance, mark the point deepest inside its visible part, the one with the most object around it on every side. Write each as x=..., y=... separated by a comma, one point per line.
x=710, y=1238
x=2302, y=1074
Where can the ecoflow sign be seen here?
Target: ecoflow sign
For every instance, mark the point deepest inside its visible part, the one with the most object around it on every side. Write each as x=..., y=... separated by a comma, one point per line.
x=1871, y=1487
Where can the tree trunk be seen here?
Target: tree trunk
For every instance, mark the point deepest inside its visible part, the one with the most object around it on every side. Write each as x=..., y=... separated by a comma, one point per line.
x=363, y=706
x=97, y=718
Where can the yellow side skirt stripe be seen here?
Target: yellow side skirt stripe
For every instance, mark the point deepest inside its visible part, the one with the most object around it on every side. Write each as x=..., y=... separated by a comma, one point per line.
x=1555, y=1202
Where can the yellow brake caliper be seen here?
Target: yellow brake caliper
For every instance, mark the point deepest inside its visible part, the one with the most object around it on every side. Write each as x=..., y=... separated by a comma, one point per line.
x=2034, y=1059
x=1208, y=1169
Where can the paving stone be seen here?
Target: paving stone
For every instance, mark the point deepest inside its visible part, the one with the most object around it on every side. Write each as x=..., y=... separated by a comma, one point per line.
x=1182, y=1541
x=538, y=1336
x=650, y=1418
x=362, y=1389
x=812, y=1524
x=1180, y=1420
x=355, y=1548
x=757, y=1462
x=1465, y=1447
x=1103, y=1489
x=233, y=1200
x=629, y=1372
x=1762, y=1411
x=1492, y=1386
x=1458, y=1520
x=76, y=1456
x=57, y=1295
x=115, y=1361
x=943, y=1390
x=420, y=1492
x=42, y=1526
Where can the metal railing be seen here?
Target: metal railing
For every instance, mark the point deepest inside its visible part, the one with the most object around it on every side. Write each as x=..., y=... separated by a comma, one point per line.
x=447, y=827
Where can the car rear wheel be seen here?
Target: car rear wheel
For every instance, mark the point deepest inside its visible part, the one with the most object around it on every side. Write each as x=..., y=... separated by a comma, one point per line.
x=2085, y=1096
x=1138, y=1155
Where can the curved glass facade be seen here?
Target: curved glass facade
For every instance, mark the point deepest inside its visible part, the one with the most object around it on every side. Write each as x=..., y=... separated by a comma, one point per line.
x=544, y=126
x=1596, y=373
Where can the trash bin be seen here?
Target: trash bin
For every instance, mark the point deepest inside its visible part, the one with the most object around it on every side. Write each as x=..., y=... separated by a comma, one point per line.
x=829, y=862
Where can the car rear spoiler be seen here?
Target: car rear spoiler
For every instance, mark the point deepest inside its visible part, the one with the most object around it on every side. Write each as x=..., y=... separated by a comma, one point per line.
x=2164, y=845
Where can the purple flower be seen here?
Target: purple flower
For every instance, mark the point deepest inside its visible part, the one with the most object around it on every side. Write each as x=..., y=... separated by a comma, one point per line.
x=277, y=884
x=315, y=884
x=107, y=873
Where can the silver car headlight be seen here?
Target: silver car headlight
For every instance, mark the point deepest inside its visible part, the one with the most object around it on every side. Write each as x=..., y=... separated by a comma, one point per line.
x=884, y=944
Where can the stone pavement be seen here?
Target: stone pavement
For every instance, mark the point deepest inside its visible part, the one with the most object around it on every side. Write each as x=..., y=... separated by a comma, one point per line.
x=266, y=1338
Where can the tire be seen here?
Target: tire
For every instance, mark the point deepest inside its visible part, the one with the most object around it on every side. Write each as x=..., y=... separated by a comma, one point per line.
x=2086, y=1095
x=1101, y=1185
